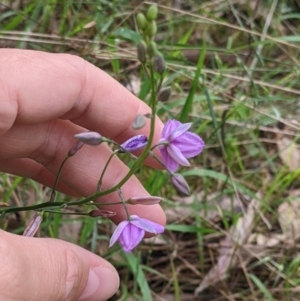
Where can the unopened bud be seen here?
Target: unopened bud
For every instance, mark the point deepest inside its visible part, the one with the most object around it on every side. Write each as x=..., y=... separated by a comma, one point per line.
x=152, y=49
x=103, y=213
x=141, y=52
x=139, y=122
x=33, y=226
x=141, y=21
x=180, y=184
x=134, y=143
x=152, y=29
x=2, y=204
x=164, y=94
x=152, y=12
x=150, y=200
x=90, y=138
x=159, y=64
x=75, y=148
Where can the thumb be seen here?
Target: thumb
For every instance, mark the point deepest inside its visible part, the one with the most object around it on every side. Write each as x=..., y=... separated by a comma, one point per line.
x=52, y=270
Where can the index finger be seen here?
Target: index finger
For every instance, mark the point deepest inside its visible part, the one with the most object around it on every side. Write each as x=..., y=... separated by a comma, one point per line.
x=88, y=96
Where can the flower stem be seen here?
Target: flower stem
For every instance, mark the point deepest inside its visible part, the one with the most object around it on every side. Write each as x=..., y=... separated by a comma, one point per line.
x=124, y=204
x=99, y=184
x=160, y=161
x=159, y=84
x=53, y=193
x=67, y=213
x=33, y=207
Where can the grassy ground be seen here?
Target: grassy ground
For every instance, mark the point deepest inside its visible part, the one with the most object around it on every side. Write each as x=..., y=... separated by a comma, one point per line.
x=234, y=71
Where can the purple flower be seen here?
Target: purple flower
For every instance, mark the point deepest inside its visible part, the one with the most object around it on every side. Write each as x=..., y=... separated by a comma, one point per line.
x=135, y=143
x=129, y=233
x=177, y=144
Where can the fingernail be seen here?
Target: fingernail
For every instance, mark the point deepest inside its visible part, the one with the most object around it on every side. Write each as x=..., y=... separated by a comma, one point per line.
x=102, y=284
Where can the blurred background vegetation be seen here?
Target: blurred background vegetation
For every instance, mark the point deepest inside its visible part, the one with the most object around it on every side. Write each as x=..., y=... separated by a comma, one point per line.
x=233, y=66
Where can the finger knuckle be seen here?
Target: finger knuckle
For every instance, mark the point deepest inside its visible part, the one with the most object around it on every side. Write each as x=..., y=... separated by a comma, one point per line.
x=73, y=275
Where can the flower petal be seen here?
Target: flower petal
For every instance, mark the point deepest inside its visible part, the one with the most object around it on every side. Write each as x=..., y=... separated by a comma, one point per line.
x=120, y=228
x=170, y=163
x=189, y=144
x=177, y=155
x=179, y=131
x=135, y=143
x=131, y=237
x=147, y=225
x=169, y=127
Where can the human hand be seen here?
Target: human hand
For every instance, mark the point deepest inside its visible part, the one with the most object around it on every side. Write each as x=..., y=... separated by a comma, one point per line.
x=45, y=100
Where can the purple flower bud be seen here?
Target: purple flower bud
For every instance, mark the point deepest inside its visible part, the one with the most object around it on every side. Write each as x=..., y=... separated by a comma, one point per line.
x=164, y=94
x=180, y=184
x=129, y=233
x=90, y=138
x=103, y=213
x=159, y=64
x=33, y=226
x=148, y=200
x=139, y=122
x=75, y=148
x=135, y=143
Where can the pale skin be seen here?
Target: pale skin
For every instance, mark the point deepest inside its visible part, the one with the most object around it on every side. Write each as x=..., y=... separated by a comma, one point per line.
x=44, y=100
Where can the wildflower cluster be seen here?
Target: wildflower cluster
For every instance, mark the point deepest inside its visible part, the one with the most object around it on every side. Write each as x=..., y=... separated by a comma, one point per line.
x=176, y=145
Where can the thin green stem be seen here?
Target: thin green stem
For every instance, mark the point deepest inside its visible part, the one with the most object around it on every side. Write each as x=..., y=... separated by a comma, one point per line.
x=99, y=184
x=120, y=148
x=157, y=159
x=67, y=213
x=53, y=193
x=159, y=84
x=123, y=202
x=107, y=204
x=34, y=207
x=165, y=143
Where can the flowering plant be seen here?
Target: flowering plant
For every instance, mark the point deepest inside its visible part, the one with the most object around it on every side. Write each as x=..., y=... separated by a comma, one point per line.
x=130, y=232
x=176, y=145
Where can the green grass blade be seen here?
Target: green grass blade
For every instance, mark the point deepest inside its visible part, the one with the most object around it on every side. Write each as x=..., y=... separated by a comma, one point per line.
x=183, y=40
x=136, y=269
x=261, y=287
x=189, y=101
x=12, y=24
x=218, y=176
x=13, y=186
